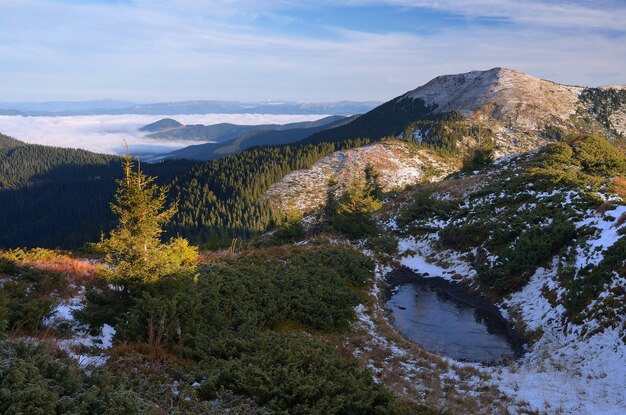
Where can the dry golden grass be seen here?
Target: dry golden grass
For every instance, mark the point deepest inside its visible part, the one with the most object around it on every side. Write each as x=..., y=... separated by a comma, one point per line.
x=139, y=354
x=77, y=270
x=619, y=186
x=604, y=207
x=208, y=257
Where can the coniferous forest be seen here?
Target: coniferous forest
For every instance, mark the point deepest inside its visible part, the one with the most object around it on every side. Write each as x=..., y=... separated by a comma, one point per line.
x=59, y=198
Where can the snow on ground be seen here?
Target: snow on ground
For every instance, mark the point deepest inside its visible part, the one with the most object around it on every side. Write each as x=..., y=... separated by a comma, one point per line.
x=81, y=345
x=606, y=235
x=421, y=255
x=562, y=372
x=63, y=311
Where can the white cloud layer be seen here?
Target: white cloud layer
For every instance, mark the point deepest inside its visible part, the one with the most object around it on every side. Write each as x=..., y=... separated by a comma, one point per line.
x=106, y=133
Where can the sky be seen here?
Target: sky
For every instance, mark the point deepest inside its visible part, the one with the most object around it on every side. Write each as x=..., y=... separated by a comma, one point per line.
x=295, y=50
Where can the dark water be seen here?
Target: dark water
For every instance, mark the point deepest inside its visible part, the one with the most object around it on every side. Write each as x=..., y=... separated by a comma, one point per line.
x=449, y=324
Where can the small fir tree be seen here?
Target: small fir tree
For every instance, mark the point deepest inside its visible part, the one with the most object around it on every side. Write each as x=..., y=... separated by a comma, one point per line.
x=359, y=200
x=352, y=214
x=372, y=182
x=134, y=250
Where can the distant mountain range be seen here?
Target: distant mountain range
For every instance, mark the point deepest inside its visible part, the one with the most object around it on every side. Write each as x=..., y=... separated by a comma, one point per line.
x=115, y=107
x=170, y=129
x=232, y=138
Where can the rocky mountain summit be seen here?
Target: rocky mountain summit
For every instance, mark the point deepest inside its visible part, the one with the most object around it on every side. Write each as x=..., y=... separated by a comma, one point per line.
x=516, y=106
x=433, y=127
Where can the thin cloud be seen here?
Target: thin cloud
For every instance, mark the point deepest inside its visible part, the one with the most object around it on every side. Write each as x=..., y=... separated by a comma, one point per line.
x=562, y=14
x=177, y=50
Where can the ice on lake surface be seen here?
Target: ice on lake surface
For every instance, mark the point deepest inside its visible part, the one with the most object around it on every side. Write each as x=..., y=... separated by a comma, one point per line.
x=446, y=325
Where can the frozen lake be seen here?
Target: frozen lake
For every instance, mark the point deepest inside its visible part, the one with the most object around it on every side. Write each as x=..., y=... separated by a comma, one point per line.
x=430, y=313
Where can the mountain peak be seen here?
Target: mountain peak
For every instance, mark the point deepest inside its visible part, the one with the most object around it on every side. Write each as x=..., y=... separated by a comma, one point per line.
x=468, y=92
x=506, y=99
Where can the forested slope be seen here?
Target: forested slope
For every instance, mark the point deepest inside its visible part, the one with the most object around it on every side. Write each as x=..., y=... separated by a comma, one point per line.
x=60, y=197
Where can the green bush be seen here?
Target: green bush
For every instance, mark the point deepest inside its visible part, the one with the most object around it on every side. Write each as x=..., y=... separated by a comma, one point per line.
x=316, y=288
x=25, y=300
x=40, y=380
x=313, y=287
x=591, y=281
x=353, y=215
x=384, y=243
x=424, y=206
x=239, y=318
x=478, y=158
x=586, y=162
x=290, y=229
x=598, y=157
x=165, y=314
x=293, y=373
x=553, y=133
x=518, y=263
x=463, y=236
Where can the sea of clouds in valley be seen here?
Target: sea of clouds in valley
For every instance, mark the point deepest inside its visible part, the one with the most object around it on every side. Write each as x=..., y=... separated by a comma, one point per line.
x=106, y=133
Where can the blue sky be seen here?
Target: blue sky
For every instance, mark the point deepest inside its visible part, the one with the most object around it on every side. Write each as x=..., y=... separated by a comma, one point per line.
x=250, y=50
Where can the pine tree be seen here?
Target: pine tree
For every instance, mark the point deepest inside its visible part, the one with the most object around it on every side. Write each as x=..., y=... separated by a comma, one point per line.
x=359, y=200
x=134, y=250
x=372, y=182
x=352, y=214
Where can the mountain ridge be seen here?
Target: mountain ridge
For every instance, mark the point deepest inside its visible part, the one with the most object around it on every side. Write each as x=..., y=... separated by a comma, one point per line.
x=520, y=111
x=245, y=137
x=113, y=107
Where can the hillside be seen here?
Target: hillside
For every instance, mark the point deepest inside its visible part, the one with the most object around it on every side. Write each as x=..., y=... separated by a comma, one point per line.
x=543, y=236
x=7, y=143
x=398, y=164
x=256, y=136
x=160, y=125
x=540, y=235
x=199, y=132
x=58, y=197
x=224, y=131
x=22, y=164
x=517, y=111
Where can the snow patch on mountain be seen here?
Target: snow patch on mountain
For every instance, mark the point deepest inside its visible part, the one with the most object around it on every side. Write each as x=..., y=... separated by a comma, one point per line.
x=563, y=372
x=399, y=164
